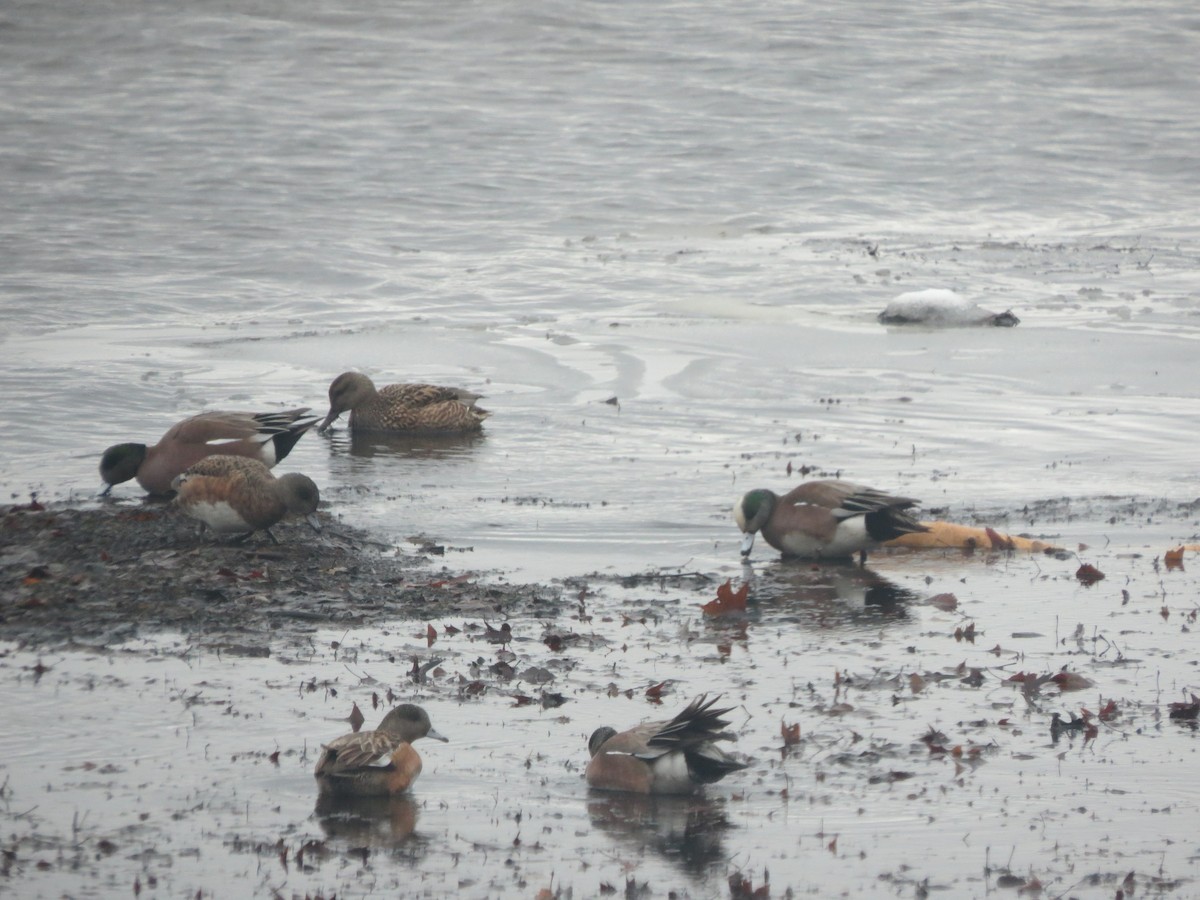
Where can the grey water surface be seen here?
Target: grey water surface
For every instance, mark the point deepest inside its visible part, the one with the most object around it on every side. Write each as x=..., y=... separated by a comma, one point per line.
x=656, y=237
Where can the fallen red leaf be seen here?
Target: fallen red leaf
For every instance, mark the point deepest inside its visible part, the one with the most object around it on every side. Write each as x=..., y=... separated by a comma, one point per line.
x=790, y=734
x=430, y=635
x=1088, y=574
x=1185, y=710
x=728, y=600
x=356, y=718
x=1174, y=558
x=654, y=692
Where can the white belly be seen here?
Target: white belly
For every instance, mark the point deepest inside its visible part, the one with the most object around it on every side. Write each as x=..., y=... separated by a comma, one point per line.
x=220, y=517
x=851, y=537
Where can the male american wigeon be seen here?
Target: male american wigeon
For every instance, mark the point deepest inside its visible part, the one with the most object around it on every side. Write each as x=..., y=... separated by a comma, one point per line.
x=824, y=519
x=407, y=408
x=233, y=494
x=267, y=437
x=345, y=765
x=674, y=757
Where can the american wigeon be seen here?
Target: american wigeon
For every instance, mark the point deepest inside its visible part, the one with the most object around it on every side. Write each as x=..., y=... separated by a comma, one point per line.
x=412, y=408
x=824, y=519
x=345, y=765
x=674, y=757
x=396, y=777
x=233, y=494
x=267, y=437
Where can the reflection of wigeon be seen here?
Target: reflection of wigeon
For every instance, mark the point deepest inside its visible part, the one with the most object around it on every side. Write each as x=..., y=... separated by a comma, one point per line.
x=824, y=519
x=409, y=408
x=233, y=494
x=346, y=766
x=674, y=757
x=267, y=437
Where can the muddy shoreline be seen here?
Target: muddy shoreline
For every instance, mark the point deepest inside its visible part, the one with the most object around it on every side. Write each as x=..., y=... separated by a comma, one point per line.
x=101, y=576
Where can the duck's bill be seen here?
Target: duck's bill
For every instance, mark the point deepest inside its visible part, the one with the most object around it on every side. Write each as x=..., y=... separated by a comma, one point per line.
x=329, y=420
x=313, y=522
x=747, y=542
x=438, y=736
x=104, y=492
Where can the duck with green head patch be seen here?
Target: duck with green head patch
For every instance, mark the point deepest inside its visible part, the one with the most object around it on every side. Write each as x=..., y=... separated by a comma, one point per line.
x=824, y=519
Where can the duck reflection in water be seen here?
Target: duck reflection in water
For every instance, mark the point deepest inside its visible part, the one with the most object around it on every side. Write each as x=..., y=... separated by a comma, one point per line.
x=369, y=444
x=828, y=594
x=379, y=822
x=687, y=831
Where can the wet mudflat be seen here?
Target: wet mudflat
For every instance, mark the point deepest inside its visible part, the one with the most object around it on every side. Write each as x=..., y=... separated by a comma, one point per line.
x=964, y=725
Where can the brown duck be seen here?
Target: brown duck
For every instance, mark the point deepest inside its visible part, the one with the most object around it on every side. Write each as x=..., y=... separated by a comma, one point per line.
x=345, y=765
x=402, y=408
x=233, y=494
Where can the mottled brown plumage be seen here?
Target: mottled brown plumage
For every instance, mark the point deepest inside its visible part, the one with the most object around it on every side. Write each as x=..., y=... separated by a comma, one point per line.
x=266, y=437
x=346, y=757
x=402, y=769
x=404, y=408
x=233, y=494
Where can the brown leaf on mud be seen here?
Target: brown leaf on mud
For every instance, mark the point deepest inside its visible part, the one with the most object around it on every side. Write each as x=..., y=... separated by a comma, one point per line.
x=356, y=718
x=1186, y=711
x=1071, y=681
x=450, y=629
x=430, y=635
x=501, y=635
x=742, y=888
x=1174, y=558
x=522, y=699
x=965, y=634
x=552, y=700
x=1088, y=574
x=654, y=693
x=999, y=541
x=1031, y=888
x=916, y=683
x=975, y=679
x=728, y=600
x=36, y=575
x=274, y=758
x=947, y=602
x=1165, y=612
x=789, y=733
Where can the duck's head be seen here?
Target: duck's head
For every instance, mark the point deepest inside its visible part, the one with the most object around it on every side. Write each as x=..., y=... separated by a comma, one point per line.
x=121, y=462
x=751, y=513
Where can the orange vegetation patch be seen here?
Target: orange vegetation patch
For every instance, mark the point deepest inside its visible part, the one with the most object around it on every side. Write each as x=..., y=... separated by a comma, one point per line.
x=947, y=535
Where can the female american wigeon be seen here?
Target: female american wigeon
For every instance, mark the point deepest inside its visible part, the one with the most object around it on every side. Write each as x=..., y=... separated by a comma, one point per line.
x=233, y=494
x=345, y=766
x=674, y=757
x=409, y=408
x=824, y=519
x=267, y=437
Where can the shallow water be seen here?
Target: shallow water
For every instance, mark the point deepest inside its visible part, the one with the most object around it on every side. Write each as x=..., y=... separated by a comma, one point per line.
x=185, y=794
x=696, y=214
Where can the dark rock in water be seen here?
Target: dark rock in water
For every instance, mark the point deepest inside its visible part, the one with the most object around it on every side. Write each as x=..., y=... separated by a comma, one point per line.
x=939, y=308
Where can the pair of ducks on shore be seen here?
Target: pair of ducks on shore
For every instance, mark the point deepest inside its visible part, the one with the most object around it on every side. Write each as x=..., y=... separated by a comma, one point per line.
x=218, y=464
x=672, y=757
